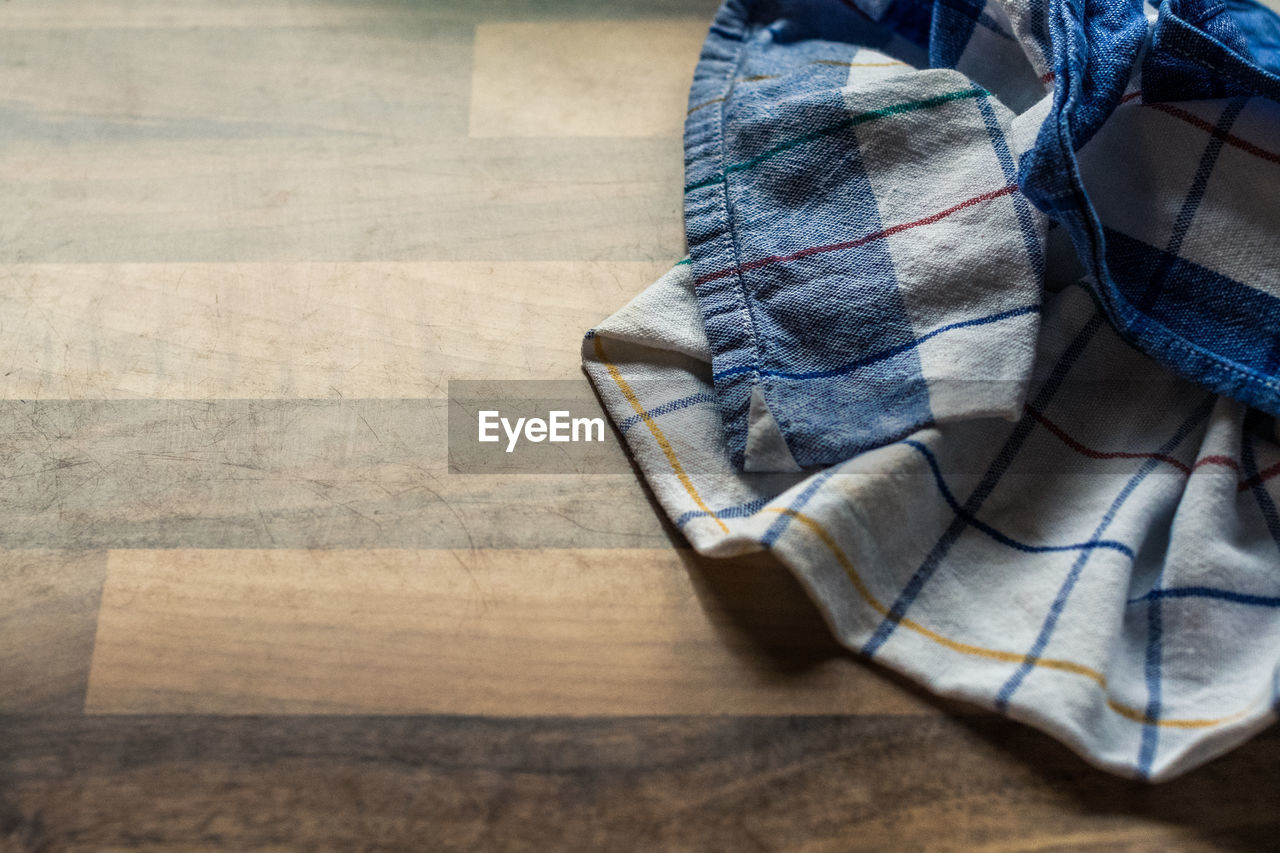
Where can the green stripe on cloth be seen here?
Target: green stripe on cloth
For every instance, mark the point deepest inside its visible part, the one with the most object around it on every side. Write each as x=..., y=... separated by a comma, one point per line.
x=852, y=121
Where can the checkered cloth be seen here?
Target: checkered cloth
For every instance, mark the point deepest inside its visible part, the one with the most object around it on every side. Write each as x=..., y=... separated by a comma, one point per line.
x=951, y=342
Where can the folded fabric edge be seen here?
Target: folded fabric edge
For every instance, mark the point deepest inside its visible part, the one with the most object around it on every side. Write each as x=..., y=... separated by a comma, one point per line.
x=828, y=570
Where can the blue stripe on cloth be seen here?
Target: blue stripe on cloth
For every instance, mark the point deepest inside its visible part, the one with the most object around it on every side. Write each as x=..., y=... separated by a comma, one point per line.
x=1249, y=465
x=960, y=38
x=1038, y=19
x=1015, y=681
x=1151, y=671
x=780, y=523
x=666, y=409
x=1022, y=207
x=952, y=27
x=1209, y=592
x=745, y=327
x=990, y=479
x=1153, y=664
x=995, y=534
x=1249, y=461
x=742, y=510
x=1155, y=631
x=993, y=25
x=889, y=353
x=1191, y=203
x=909, y=19
x=1197, y=299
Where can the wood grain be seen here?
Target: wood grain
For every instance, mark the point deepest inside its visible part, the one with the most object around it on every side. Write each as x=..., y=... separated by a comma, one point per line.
x=510, y=632
x=158, y=14
x=244, y=244
x=48, y=616
x=687, y=783
x=89, y=474
x=133, y=198
x=583, y=78
x=337, y=131
x=300, y=330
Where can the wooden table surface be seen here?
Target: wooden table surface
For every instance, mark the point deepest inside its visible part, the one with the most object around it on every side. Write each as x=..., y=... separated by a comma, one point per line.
x=243, y=602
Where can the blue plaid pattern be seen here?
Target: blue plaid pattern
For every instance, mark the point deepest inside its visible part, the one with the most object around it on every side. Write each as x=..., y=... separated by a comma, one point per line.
x=825, y=172
x=981, y=339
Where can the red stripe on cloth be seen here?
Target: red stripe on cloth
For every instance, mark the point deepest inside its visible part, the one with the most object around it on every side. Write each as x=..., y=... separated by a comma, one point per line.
x=1260, y=478
x=1129, y=97
x=1085, y=450
x=1224, y=461
x=861, y=241
x=1196, y=121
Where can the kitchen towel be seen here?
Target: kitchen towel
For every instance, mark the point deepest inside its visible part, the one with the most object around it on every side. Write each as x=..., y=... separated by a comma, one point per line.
x=979, y=334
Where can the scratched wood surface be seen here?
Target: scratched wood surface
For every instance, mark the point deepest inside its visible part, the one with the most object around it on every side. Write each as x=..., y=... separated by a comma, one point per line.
x=245, y=604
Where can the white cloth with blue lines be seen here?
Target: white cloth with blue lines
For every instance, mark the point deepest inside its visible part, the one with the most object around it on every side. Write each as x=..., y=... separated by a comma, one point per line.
x=979, y=332
x=1103, y=567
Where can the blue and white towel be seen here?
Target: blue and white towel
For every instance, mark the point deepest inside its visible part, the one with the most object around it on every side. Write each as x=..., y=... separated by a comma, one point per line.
x=980, y=334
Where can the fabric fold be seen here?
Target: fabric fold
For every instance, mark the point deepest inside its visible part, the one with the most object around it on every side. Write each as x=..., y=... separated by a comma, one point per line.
x=1104, y=567
x=864, y=229
x=979, y=333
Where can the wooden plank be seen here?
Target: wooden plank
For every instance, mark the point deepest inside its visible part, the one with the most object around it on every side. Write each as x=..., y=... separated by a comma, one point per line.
x=583, y=78
x=519, y=632
x=314, y=330
x=78, y=14
x=336, y=131
x=223, y=195
x=287, y=474
x=48, y=615
x=711, y=783
x=310, y=70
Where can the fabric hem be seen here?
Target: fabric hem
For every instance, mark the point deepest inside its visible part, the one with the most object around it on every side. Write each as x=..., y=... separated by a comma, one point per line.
x=1176, y=352
x=851, y=618
x=713, y=243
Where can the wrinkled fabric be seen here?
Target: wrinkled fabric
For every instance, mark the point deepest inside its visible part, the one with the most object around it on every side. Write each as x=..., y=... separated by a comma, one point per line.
x=829, y=178
x=1104, y=567
x=978, y=333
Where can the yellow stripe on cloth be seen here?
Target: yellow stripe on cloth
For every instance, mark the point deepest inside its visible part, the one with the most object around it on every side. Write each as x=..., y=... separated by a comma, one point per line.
x=1126, y=711
x=658, y=435
x=693, y=110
